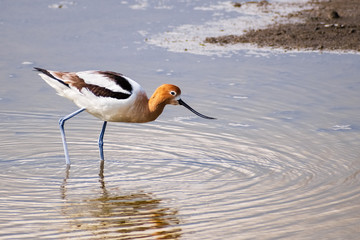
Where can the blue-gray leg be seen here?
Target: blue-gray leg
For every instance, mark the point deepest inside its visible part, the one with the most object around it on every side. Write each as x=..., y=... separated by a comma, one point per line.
x=61, y=124
x=101, y=141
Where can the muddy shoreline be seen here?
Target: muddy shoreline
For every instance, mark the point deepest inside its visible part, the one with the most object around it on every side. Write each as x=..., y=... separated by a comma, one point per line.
x=327, y=25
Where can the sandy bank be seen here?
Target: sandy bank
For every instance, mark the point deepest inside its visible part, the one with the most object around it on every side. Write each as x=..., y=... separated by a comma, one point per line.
x=327, y=25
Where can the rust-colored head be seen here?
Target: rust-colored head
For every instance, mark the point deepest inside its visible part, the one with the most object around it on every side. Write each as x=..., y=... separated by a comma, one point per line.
x=166, y=94
x=169, y=94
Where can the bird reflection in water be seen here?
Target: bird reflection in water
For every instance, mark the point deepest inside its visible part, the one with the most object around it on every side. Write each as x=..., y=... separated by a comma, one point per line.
x=116, y=216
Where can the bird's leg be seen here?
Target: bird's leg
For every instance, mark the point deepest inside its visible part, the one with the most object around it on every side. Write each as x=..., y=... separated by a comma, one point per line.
x=101, y=141
x=61, y=124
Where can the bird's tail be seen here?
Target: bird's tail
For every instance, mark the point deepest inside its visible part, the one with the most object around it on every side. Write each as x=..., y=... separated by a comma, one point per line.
x=45, y=74
x=55, y=82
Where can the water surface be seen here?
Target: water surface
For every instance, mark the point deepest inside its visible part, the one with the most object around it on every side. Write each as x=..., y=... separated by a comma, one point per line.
x=280, y=161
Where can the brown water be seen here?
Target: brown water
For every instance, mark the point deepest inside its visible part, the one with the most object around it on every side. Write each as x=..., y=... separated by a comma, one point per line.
x=281, y=161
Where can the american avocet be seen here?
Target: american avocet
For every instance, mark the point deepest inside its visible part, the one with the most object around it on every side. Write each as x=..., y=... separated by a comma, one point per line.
x=112, y=97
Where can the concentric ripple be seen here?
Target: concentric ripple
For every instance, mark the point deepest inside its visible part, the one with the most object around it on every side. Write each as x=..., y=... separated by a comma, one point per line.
x=179, y=179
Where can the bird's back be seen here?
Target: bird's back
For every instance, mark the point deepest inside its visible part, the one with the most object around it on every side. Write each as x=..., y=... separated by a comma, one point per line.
x=107, y=95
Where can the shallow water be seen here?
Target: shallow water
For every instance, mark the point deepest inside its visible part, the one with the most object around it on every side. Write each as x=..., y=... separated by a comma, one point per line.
x=280, y=161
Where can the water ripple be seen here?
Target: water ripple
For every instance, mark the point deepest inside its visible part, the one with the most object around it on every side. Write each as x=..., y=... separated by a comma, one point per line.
x=169, y=179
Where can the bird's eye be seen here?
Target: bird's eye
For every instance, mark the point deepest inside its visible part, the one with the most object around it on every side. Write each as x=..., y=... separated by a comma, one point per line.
x=173, y=93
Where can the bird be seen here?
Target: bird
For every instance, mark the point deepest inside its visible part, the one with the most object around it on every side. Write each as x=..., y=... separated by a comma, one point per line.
x=111, y=97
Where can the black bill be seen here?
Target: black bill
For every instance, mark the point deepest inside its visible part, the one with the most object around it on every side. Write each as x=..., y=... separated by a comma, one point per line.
x=181, y=102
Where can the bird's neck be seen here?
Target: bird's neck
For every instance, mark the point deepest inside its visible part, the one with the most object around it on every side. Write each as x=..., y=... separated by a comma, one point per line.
x=156, y=106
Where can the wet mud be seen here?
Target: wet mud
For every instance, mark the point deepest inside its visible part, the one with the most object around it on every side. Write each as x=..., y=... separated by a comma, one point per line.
x=327, y=25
